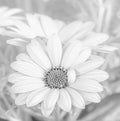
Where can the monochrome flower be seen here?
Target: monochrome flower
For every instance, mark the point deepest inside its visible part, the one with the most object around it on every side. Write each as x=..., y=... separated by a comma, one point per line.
x=52, y=75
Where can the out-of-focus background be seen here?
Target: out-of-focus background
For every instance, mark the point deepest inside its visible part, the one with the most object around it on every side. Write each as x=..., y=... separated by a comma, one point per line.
x=106, y=15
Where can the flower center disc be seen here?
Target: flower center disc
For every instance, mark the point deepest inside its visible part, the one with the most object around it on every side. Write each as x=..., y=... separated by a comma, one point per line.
x=56, y=78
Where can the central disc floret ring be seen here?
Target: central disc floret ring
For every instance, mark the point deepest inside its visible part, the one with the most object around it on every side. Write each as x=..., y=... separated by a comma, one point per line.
x=56, y=78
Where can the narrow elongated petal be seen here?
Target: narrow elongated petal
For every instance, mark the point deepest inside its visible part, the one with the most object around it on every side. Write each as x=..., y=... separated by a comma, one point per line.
x=17, y=42
x=51, y=99
x=71, y=76
x=34, y=22
x=90, y=65
x=92, y=97
x=105, y=48
x=23, y=57
x=24, y=29
x=27, y=68
x=69, y=30
x=64, y=101
x=13, y=78
x=21, y=99
x=76, y=98
x=54, y=49
x=37, y=97
x=18, y=77
x=11, y=12
x=83, y=56
x=71, y=54
x=37, y=53
x=45, y=111
x=97, y=75
x=95, y=39
x=48, y=25
x=26, y=86
x=87, y=85
x=84, y=30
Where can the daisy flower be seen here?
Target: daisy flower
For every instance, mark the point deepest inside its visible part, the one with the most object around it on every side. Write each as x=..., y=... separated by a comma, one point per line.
x=50, y=76
x=9, y=16
x=43, y=26
x=36, y=26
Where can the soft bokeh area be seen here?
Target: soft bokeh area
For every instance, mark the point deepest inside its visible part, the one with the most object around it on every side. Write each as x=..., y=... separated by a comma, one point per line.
x=106, y=16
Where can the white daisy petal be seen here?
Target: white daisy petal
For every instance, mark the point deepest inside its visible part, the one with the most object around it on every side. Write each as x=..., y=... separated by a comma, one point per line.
x=10, y=33
x=87, y=85
x=45, y=111
x=76, y=98
x=34, y=22
x=66, y=33
x=84, y=30
x=91, y=97
x=12, y=12
x=95, y=39
x=27, y=86
x=64, y=101
x=17, y=77
x=54, y=49
x=48, y=25
x=105, y=48
x=97, y=75
x=59, y=24
x=71, y=76
x=51, y=99
x=21, y=99
x=37, y=96
x=38, y=55
x=17, y=42
x=71, y=54
x=83, y=56
x=23, y=57
x=89, y=65
x=30, y=69
x=24, y=29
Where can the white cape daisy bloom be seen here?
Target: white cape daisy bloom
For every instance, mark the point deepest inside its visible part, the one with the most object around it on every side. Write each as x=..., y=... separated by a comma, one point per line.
x=52, y=76
x=35, y=26
x=9, y=16
x=44, y=26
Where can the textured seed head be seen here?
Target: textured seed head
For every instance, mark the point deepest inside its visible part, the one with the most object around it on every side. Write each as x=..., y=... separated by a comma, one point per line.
x=56, y=78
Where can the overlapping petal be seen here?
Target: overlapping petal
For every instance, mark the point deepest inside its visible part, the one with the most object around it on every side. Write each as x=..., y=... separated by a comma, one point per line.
x=37, y=96
x=71, y=53
x=91, y=97
x=64, y=101
x=37, y=53
x=77, y=99
x=27, y=86
x=97, y=75
x=30, y=69
x=35, y=24
x=87, y=85
x=48, y=25
x=90, y=65
x=21, y=99
x=54, y=49
x=51, y=99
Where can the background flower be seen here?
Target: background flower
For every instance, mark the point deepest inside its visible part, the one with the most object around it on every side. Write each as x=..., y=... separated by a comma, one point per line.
x=41, y=26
